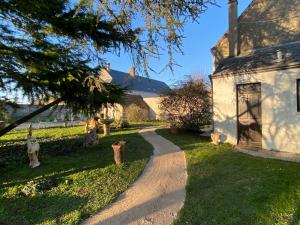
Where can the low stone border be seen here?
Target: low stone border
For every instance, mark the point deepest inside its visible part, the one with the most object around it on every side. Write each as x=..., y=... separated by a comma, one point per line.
x=285, y=156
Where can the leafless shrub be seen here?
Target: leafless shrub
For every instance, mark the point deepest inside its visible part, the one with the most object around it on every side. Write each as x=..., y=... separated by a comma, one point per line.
x=188, y=106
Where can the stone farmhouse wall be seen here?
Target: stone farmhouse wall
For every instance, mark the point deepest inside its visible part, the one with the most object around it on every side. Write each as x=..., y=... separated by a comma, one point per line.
x=263, y=24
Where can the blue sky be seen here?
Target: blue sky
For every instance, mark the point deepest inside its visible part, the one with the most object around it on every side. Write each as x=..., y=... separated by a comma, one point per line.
x=196, y=46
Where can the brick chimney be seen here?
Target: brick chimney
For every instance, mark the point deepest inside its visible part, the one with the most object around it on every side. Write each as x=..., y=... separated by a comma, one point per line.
x=233, y=28
x=108, y=67
x=132, y=71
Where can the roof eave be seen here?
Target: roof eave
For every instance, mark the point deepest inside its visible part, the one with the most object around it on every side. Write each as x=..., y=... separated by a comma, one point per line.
x=255, y=70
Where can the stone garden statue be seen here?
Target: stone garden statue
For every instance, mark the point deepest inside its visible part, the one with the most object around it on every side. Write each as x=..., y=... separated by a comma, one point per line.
x=91, y=138
x=107, y=120
x=33, y=148
x=215, y=137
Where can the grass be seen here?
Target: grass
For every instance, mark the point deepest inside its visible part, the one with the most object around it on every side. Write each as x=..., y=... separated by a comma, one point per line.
x=96, y=180
x=226, y=187
x=150, y=123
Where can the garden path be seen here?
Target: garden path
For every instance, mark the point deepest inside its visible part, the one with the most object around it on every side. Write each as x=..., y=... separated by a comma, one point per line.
x=157, y=196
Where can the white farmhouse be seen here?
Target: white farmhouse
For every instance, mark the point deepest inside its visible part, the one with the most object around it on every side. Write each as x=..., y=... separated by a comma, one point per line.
x=141, y=91
x=256, y=82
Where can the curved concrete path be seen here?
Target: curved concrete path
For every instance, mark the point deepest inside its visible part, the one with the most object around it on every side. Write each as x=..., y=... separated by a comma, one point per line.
x=159, y=193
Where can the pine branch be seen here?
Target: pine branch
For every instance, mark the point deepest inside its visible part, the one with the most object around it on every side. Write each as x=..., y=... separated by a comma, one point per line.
x=28, y=117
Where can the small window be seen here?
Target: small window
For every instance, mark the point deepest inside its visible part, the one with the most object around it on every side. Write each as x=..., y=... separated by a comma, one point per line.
x=298, y=95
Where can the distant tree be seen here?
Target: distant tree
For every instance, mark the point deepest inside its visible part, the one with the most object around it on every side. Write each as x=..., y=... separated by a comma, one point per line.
x=46, y=54
x=188, y=105
x=53, y=50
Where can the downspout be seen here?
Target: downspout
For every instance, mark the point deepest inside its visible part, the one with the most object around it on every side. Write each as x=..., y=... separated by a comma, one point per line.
x=212, y=101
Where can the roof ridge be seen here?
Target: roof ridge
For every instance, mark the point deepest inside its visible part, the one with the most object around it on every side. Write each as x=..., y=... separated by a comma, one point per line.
x=138, y=83
x=139, y=76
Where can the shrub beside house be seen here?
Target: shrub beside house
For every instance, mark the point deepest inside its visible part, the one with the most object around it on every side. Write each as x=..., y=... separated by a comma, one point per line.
x=188, y=106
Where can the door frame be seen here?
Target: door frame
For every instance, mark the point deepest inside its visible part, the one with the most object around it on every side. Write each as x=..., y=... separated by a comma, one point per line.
x=237, y=113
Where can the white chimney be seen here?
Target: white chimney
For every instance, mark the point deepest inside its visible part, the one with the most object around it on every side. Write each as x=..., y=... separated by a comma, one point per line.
x=108, y=67
x=132, y=71
x=233, y=28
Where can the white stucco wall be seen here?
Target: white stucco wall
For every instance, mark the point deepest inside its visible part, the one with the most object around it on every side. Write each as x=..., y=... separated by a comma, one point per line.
x=155, y=111
x=153, y=101
x=280, y=120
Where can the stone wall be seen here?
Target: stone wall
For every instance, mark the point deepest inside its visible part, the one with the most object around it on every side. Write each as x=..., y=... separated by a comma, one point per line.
x=263, y=24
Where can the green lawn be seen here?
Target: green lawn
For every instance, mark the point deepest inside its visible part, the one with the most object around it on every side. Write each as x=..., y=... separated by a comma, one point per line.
x=230, y=188
x=94, y=179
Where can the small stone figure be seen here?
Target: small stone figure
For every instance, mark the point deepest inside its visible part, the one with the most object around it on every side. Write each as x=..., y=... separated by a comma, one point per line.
x=215, y=137
x=86, y=127
x=91, y=138
x=91, y=124
x=33, y=148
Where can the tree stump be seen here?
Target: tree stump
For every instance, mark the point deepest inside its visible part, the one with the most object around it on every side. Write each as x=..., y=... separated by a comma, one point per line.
x=119, y=151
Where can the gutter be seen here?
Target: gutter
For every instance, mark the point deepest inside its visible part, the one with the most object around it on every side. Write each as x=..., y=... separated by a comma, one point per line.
x=255, y=70
x=212, y=101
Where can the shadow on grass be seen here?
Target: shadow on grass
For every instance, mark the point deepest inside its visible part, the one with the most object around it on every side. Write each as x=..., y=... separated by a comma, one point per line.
x=63, y=163
x=25, y=210
x=296, y=217
x=230, y=188
x=96, y=181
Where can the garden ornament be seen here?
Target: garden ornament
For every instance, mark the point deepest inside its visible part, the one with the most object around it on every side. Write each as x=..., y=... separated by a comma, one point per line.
x=119, y=151
x=86, y=127
x=91, y=138
x=215, y=137
x=33, y=148
x=106, y=125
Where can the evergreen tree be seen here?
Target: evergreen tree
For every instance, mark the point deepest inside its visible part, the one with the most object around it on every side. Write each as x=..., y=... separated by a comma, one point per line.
x=48, y=49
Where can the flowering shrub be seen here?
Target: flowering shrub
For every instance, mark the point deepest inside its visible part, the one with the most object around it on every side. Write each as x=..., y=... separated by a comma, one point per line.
x=189, y=105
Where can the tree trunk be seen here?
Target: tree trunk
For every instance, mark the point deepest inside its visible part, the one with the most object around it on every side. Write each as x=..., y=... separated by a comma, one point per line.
x=28, y=117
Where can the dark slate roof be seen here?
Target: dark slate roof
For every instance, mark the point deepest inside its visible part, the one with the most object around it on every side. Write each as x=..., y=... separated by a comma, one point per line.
x=138, y=83
x=262, y=60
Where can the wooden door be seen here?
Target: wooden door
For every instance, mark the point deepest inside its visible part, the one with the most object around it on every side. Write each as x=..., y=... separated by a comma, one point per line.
x=249, y=115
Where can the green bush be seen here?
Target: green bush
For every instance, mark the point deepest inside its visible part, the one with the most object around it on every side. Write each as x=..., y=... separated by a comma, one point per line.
x=135, y=113
x=121, y=124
